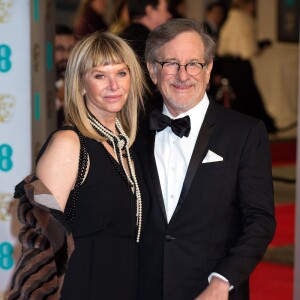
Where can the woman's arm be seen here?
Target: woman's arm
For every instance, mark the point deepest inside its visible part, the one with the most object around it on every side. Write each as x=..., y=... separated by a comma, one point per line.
x=58, y=166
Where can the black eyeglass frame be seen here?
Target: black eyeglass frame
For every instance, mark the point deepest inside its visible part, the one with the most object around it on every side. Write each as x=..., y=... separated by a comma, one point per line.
x=162, y=63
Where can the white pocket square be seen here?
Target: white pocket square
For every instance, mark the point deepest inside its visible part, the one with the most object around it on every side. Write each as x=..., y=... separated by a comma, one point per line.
x=211, y=157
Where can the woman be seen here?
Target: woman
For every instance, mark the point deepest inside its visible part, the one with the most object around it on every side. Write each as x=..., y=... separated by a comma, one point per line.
x=120, y=17
x=90, y=17
x=104, y=86
x=237, y=45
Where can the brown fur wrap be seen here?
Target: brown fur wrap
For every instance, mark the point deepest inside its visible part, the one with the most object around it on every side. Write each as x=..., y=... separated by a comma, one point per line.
x=47, y=243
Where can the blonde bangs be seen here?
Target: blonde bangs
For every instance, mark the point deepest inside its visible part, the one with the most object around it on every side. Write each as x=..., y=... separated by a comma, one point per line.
x=103, y=53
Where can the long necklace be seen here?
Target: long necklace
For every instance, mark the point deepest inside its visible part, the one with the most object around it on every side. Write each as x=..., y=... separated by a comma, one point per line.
x=119, y=144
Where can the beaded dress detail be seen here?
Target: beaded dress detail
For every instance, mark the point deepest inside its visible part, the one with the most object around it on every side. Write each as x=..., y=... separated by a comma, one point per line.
x=120, y=144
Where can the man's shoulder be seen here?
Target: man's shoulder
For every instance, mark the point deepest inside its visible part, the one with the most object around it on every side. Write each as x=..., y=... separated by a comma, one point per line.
x=229, y=117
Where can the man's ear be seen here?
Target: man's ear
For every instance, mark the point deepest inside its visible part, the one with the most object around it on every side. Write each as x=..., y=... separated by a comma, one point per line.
x=210, y=66
x=208, y=71
x=152, y=72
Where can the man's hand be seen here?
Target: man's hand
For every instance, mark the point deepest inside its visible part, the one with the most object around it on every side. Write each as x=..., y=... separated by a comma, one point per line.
x=218, y=289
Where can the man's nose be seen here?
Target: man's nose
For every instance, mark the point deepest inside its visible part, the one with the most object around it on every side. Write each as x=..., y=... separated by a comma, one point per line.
x=182, y=74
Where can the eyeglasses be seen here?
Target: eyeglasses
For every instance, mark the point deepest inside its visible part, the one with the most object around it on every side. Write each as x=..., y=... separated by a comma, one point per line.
x=172, y=67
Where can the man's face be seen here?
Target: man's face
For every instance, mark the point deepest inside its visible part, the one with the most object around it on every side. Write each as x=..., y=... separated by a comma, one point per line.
x=181, y=91
x=160, y=14
x=63, y=46
x=217, y=15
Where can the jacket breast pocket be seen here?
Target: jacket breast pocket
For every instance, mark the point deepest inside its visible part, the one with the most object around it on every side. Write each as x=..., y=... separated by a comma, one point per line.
x=214, y=165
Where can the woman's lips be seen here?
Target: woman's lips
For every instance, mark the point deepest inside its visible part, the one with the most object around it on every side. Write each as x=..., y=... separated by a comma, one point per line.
x=113, y=98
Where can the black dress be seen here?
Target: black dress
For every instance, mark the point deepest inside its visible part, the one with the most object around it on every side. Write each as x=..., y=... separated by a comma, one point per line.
x=104, y=263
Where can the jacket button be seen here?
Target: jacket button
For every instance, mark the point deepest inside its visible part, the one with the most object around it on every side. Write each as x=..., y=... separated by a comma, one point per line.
x=169, y=238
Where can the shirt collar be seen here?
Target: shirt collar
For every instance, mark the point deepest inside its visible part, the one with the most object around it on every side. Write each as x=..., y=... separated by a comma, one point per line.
x=196, y=114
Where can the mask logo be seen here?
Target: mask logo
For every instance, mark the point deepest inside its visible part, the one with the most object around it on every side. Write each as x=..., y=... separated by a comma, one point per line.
x=5, y=202
x=7, y=104
x=6, y=9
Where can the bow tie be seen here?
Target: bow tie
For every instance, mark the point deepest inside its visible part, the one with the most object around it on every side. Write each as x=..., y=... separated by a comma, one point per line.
x=159, y=121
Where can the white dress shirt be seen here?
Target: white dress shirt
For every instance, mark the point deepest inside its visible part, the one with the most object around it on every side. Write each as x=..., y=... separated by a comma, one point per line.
x=173, y=155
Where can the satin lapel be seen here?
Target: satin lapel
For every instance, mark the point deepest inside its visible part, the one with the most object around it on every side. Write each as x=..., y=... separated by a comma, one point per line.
x=155, y=176
x=199, y=150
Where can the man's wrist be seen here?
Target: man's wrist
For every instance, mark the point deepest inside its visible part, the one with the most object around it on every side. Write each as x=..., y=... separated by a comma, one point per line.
x=219, y=276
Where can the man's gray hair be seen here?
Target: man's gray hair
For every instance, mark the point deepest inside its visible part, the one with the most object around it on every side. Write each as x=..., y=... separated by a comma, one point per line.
x=169, y=30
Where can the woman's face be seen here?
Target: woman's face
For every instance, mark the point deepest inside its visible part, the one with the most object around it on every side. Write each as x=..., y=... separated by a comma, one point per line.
x=106, y=89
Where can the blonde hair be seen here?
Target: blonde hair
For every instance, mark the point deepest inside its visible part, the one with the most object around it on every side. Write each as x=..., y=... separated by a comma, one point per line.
x=98, y=49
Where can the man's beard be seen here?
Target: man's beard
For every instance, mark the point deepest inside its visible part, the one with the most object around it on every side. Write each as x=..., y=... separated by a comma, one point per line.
x=187, y=103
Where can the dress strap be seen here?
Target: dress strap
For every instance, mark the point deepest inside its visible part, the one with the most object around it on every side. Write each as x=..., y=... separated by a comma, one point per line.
x=83, y=160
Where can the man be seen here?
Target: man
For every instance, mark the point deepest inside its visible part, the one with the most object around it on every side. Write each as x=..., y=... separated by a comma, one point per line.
x=144, y=15
x=212, y=206
x=63, y=43
x=214, y=17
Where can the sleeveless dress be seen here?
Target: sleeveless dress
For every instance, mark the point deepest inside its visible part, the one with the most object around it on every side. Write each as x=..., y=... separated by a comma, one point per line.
x=104, y=264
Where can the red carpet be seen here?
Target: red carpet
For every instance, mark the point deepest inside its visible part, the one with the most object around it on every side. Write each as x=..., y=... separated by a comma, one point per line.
x=271, y=282
x=283, y=152
x=274, y=281
x=285, y=218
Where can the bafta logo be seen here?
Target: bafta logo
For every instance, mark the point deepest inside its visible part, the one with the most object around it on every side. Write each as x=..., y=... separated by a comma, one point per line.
x=5, y=202
x=6, y=9
x=7, y=104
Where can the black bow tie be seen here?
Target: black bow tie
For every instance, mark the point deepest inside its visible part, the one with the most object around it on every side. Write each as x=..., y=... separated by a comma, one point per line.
x=159, y=121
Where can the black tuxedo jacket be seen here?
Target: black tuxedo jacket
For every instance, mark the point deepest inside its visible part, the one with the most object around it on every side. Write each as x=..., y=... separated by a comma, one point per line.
x=224, y=219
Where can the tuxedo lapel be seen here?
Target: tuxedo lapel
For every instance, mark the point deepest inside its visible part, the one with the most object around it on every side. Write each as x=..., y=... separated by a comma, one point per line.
x=204, y=135
x=155, y=176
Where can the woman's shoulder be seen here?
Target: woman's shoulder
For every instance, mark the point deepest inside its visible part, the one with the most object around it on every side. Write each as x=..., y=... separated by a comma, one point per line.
x=65, y=139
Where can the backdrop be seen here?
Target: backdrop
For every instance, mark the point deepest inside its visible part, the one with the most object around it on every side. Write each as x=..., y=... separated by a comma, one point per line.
x=27, y=112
